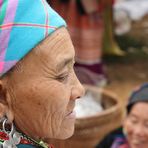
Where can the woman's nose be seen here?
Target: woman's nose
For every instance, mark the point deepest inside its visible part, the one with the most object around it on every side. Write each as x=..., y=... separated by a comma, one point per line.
x=139, y=130
x=77, y=89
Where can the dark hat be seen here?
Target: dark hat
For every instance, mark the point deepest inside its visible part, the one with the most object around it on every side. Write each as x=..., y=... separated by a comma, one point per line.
x=139, y=95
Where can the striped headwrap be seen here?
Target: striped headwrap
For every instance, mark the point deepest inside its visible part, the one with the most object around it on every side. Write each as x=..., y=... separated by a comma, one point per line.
x=23, y=25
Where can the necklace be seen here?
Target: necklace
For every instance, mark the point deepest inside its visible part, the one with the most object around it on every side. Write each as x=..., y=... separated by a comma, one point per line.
x=9, y=137
x=40, y=143
x=26, y=140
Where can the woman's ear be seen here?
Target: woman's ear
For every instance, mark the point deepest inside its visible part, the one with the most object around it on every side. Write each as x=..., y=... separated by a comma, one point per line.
x=4, y=108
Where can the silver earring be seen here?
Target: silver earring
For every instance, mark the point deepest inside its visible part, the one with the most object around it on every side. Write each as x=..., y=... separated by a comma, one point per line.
x=14, y=137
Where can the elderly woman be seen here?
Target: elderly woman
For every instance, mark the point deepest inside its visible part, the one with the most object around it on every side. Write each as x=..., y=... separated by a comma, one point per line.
x=134, y=133
x=38, y=86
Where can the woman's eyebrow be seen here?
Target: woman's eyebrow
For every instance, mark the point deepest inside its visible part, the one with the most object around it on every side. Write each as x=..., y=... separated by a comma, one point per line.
x=65, y=62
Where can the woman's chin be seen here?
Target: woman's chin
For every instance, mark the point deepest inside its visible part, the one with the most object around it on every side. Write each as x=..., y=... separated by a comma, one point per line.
x=65, y=134
x=60, y=137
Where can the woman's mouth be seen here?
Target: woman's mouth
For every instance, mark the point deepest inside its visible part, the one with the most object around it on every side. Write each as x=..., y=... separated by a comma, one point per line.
x=71, y=115
x=138, y=143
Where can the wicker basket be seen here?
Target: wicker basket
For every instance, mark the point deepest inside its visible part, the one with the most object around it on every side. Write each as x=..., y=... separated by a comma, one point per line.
x=139, y=30
x=90, y=130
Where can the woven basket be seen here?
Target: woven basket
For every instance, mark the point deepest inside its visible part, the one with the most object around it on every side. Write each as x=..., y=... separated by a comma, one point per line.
x=139, y=30
x=90, y=130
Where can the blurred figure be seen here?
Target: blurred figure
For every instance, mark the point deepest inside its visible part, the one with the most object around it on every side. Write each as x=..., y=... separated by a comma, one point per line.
x=110, y=46
x=134, y=133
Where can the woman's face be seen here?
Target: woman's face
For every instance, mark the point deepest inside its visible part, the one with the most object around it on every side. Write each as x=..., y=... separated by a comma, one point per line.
x=136, y=126
x=43, y=89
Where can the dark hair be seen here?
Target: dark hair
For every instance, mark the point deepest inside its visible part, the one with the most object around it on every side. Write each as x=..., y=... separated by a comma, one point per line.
x=139, y=95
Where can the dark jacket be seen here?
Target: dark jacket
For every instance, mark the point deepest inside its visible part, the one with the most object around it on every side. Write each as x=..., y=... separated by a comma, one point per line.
x=110, y=138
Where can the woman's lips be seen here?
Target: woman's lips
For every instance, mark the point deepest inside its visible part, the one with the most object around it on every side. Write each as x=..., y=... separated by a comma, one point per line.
x=71, y=115
x=138, y=143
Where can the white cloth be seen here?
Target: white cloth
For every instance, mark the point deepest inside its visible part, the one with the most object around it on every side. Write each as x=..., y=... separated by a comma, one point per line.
x=135, y=9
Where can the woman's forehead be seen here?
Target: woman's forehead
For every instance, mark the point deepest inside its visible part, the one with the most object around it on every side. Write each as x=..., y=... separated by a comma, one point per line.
x=57, y=45
x=54, y=52
x=140, y=109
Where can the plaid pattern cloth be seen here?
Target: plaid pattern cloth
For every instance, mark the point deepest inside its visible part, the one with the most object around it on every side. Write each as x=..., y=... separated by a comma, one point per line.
x=23, y=24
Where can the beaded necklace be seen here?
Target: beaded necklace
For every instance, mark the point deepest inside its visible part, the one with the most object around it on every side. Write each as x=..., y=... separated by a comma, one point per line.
x=26, y=140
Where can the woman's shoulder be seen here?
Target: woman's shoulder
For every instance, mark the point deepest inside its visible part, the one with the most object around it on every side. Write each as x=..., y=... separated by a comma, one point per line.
x=110, y=138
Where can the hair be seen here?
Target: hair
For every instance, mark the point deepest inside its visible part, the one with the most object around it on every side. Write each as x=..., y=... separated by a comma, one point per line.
x=139, y=95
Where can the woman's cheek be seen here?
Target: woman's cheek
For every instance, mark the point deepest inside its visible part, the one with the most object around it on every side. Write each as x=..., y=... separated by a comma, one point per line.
x=129, y=129
x=56, y=122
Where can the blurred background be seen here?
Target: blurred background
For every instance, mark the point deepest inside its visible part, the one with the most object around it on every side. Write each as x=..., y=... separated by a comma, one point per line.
x=111, y=44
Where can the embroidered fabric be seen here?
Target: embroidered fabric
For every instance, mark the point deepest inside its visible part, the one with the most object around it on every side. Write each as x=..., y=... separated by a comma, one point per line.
x=25, y=142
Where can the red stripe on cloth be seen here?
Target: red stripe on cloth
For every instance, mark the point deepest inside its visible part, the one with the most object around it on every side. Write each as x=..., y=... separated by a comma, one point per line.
x=6, y=26
x=46, y=17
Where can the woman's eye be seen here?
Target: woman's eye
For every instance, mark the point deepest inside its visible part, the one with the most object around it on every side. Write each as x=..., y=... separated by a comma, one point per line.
x=133, y=120
x=62, y=77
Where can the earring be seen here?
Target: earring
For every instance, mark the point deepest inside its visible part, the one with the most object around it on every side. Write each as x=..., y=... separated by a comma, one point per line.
x=14, y=137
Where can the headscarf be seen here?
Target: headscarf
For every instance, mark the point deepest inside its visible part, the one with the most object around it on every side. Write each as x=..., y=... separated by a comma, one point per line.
x=23, y=25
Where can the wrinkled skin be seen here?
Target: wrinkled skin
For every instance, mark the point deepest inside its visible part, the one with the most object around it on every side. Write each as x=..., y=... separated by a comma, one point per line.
x=40, y=92
x=136, y=126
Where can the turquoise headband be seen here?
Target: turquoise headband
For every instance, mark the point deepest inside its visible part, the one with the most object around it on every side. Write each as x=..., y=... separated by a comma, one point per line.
x=23, y=25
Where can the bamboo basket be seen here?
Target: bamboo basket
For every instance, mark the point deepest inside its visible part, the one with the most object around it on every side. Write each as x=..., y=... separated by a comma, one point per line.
x=90, y=130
